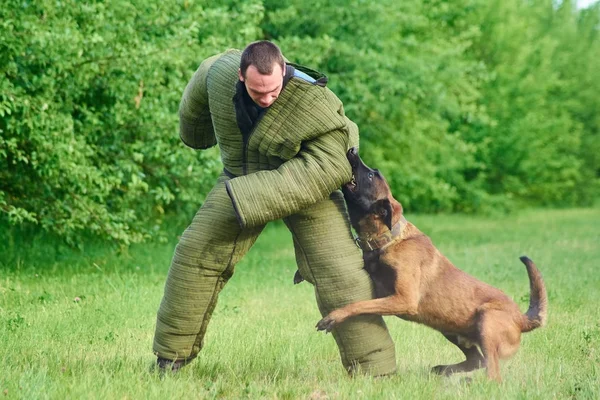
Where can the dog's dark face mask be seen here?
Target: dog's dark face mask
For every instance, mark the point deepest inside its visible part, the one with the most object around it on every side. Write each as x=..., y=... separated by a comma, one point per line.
x=367, y=193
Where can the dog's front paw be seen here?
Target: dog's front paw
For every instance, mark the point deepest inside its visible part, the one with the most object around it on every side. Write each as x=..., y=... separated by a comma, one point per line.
x=334, y=318
x=326, y=324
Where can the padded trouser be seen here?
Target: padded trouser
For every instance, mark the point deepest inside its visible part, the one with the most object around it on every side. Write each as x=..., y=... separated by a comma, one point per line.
x=326, y=255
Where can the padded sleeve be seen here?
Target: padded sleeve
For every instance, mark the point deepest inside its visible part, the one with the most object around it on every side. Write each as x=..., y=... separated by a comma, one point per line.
x=195, y=123
x=319, y=168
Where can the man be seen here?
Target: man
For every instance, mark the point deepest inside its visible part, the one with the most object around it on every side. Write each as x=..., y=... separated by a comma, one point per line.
x=283, y=138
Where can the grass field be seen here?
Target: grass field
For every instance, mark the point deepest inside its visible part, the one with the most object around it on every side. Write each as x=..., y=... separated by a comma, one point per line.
x=80, y=324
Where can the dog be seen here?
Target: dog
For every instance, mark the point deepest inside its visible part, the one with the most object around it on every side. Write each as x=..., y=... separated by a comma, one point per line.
x=415, y=282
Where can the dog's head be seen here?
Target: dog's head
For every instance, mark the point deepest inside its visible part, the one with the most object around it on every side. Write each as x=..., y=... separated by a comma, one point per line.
x=368, y=195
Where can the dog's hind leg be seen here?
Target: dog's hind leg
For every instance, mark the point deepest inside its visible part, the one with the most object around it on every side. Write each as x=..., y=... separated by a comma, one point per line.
x=474, y=358
x=491, y=334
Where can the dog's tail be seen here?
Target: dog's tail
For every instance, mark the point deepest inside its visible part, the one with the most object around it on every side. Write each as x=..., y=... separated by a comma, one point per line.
x=536, y=315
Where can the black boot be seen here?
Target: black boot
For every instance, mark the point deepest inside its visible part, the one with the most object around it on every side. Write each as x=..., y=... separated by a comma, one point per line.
x=165, y=365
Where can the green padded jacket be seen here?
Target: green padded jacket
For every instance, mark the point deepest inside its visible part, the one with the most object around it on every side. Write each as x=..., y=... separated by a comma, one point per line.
x=294, y=157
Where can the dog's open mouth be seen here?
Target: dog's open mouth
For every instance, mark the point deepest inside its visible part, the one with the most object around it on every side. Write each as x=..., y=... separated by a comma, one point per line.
x=352, y=184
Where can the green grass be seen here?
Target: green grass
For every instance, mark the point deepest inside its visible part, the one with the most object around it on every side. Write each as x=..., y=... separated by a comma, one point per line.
x=80, y=324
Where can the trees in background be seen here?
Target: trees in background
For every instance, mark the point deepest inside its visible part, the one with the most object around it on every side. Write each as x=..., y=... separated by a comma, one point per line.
x=464, y=105
x=543, y=60
x=88, y=111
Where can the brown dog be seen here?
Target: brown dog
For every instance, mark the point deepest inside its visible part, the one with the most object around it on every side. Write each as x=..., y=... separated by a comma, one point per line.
x=414, y=281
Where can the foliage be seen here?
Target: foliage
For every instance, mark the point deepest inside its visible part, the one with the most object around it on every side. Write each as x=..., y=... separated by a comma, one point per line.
x=89, y=111
x=465, y=105
x=536, y=149
x=408, y=86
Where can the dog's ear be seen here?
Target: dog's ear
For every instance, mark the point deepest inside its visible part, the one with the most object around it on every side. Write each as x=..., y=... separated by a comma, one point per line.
x=384, y=209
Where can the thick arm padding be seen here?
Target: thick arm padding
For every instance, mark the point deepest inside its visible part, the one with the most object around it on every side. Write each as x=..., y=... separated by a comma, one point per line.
x=195, y=123
x=319, y=168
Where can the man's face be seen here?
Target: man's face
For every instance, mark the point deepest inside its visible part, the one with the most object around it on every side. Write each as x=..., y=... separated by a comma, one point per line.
x=263, y=89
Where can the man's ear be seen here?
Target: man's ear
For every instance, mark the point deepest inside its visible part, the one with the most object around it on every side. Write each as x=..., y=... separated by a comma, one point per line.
x=240, y=75
x=384, y=209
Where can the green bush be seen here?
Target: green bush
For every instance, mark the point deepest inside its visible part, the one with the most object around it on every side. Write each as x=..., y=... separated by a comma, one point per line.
x=88, y=111
x=465, y=105
x=537, y=146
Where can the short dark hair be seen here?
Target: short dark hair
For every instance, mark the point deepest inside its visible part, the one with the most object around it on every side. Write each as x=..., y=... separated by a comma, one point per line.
x=262, y=54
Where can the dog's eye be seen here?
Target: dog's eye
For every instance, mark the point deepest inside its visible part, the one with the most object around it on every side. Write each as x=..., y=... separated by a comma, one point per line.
x=370, y=175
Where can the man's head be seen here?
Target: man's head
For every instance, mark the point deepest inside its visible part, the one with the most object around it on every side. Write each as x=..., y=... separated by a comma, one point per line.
x=262, y=69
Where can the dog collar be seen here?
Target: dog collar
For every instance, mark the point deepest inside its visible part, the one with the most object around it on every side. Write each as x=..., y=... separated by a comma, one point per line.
x=383, y=240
